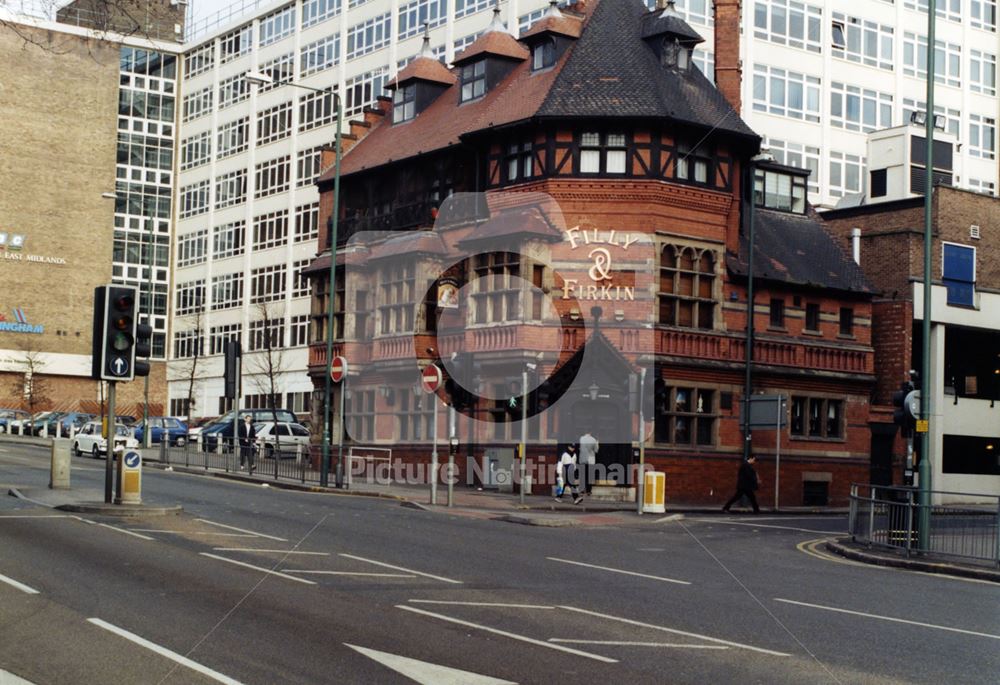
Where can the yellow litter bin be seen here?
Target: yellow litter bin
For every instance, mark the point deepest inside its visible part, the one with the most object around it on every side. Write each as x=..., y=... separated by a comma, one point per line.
x=654, y=495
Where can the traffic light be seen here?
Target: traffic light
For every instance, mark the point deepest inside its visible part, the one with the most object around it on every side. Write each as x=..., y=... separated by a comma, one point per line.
x=233, y=369
x=901, y=413
x=114, y=343
x=143, y=348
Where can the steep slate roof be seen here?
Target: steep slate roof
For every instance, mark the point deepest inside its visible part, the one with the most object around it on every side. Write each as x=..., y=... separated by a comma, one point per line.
x=796, y=249
x=608, y=73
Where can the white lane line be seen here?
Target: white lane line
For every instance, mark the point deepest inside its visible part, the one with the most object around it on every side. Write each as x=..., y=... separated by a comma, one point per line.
x=27, y=589
x=674, y=631
x=272, y=551
x=623, y=643
x=618, y=570
x=350, y=573
x=163, y=651
x=504, y=633
x=764, y=525
x=480, y=604
x=127, y=532
x=257, y=568
x=426, y=673
x=888, y=618
x=242, y=530
x=201, y=532
x=35, y=516
x=652, y=549
x=400, y=568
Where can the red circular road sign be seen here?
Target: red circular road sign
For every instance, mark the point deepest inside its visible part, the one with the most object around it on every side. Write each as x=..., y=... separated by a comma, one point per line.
x=430, y=378
x=338, y=369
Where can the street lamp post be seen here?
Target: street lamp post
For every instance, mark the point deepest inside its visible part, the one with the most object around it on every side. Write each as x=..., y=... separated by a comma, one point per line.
x=146, y=432
x=259, y=79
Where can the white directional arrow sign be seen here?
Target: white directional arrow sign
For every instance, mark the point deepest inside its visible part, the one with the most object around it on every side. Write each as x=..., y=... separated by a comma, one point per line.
x=426, y=673
x=119, y=366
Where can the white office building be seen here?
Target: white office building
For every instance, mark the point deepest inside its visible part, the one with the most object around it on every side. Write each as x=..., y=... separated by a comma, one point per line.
x=817, y=77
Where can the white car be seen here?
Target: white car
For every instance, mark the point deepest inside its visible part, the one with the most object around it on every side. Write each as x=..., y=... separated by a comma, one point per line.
x=91, y=441
x=287, y=435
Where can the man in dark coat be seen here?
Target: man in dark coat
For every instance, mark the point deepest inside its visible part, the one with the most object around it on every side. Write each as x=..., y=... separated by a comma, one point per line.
x=746, y=485
x=246, y=434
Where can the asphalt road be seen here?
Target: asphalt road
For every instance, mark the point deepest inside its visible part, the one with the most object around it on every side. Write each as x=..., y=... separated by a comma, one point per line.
x=260, y=585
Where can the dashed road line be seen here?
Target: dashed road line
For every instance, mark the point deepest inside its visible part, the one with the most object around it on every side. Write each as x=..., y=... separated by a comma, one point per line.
x=400, y=568
x=257, y=568
x=269, y=551
x=350, y=573
x=27, y=589
x=480, y=604
x=618, y=570
x=242, y=530
x=126, y=532
x=625, y=643
x=195, y=532
x=35, y=516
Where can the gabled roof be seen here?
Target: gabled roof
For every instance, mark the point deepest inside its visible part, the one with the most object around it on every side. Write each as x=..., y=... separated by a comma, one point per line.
x=497, y=42
x=559, y=24
x=423, y=69
x=796, y=249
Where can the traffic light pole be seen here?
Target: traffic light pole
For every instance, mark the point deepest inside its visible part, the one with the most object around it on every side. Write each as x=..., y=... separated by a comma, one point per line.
x=109, y=431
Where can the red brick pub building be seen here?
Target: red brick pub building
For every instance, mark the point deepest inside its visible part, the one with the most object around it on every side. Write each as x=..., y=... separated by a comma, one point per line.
x=594, y=178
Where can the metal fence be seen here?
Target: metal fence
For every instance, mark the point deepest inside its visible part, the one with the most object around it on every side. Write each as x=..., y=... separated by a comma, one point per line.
x=890, y=517
x=283, y=462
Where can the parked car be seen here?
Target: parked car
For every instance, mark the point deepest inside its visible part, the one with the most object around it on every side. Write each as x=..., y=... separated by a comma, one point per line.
x=8, y=416
x=125, y=420
x=71, y=423
x=196, y=426
x=17, y=426
x=47, y=426
x=222, y=428
x=90, y=440
x=286, y=436
x=175, y=430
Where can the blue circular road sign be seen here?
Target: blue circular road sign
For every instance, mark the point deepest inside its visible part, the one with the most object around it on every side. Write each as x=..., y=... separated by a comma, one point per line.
x=132, y=460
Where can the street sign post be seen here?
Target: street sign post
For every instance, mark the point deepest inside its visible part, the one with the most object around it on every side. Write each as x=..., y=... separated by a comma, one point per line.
x=338, y=369
x=338, y=372
x=769, y=411
x=430, y=381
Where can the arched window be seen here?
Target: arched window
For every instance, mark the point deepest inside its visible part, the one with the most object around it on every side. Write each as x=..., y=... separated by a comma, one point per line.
x=687, y=287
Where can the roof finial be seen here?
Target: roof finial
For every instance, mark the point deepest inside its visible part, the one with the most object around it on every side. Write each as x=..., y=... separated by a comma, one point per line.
x=425, y=49
x=669, y=9
x=553, y=10
x=497, y=23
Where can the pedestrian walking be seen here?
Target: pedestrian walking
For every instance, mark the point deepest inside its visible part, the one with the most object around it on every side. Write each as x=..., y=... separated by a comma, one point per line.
x=746, y=485
x=587, y=459
x=568, y=468
x=246, y=436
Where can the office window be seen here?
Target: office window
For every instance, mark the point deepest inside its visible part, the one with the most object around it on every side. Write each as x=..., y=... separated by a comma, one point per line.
x=192, y=248
x=235, y=44
x=947, y=60
x=816, y=417
x=197, y=103
x=315, y=110
x=307, y=166
x=787, y=22
x=307, y=222
x=362, y=90
x=233, y=138
x=270, y=230
x=519, y=161
x=232, y=90
x=692, y=11
x=227, y=291
x=190, y=297
x=777, y=312
x=982, y=72
x=267, y=284
x=301, y=286
x=952, y=117
x=196, y=150
x=404, y=103
x=466, y=7
x=281, y=69
x=194, y=199
x=466, y=41
x=219, y=335
x=272, y=177
x=276, y=25
x=413, y=15
x=982, y=136
x=705, y=61
x=369, y=35
x=812, y=317
x=958, y=274
x=858, y=109
x=983, y=15
x=687, y=287
x=227, y=240
x=684, y=416
x=319, y=55
x=188, y=344
x=862, y=41
x=315, y=11
x=266, y=334
x=199, y=61
x=231, y=189
x=945, y=9
x=786, y=93
x=299, y=331
x=982, y=186
x=274, y=123
x=777, y=190
x=797, y=155
x=472, y=78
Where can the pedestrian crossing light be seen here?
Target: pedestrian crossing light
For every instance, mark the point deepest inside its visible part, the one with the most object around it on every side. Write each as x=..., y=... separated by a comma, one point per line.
x=115, y=334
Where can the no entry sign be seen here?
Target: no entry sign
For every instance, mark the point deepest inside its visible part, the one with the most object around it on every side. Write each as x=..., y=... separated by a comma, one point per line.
x=430, y=378
x=338, y=369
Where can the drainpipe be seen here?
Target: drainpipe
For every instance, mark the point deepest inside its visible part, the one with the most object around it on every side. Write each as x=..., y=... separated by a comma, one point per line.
x=856, y=245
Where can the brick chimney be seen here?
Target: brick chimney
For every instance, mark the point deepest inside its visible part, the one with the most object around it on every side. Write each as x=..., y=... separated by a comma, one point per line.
x=728, y=68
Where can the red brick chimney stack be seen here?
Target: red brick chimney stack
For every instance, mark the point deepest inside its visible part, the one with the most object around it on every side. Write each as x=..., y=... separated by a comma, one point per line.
x=728, y=68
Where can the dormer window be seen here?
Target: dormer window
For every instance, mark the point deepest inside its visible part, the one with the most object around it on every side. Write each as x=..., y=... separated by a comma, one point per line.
x=543, y=55
x=473, y=78
x=781, y=191
x=404, y=103
x=674, y=55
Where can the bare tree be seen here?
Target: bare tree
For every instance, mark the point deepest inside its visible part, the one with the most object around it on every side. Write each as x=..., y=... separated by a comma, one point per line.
x=267, y=361
x=29, y=384
x=186, y=369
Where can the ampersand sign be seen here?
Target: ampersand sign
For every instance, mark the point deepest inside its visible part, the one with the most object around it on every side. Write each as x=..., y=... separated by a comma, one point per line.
x=601, y=269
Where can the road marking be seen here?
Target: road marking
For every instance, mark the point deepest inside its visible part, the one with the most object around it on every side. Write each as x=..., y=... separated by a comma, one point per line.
x=400, y=568
x=651, y=549
x=812, y=548
x=675, y=631
x=127, y=532
x=622, y=643
x=427, y=673
x=513, y=636
x=257, y=568
x=36, y=516
x=242, y=530
x=617, y=570
x=888, y=618
x=27, y=589
x=764, y=525
x=480, y=604
x=351, y=573
x=199, y=532
x=274, y=551
x=163, y=651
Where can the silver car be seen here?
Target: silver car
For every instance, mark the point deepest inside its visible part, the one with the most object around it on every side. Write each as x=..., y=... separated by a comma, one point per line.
x=286, y=436
x=90, y=440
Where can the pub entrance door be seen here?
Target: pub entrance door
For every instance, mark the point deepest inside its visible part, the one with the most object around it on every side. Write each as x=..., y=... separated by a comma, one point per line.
x=604, y=417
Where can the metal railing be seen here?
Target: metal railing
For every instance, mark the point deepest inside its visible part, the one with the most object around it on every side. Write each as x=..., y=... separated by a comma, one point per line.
x=289, y=463
x=887, y=516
